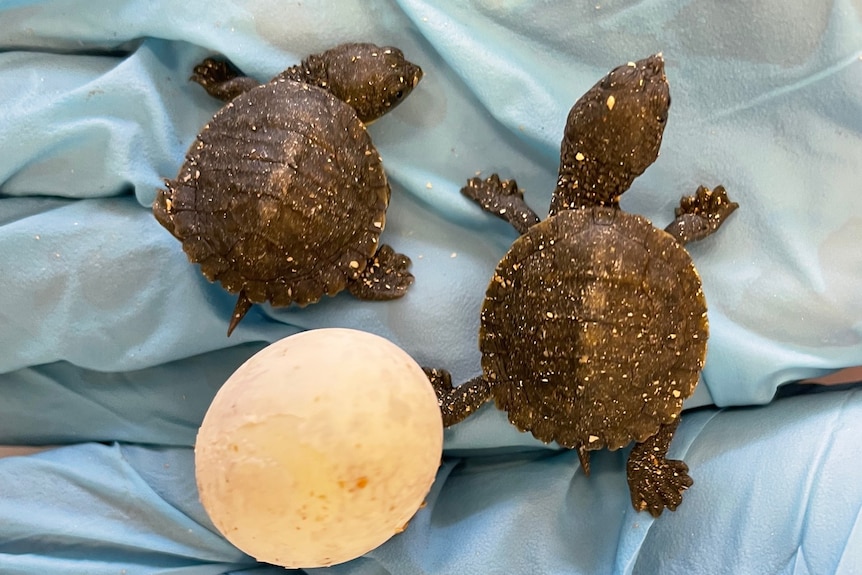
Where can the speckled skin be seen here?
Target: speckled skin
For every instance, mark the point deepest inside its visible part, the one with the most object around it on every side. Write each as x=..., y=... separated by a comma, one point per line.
x=282, y=196
x=594, y=326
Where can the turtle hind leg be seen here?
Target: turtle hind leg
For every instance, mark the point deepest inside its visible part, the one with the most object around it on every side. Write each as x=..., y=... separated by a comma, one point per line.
x=243, y=304
x=457, y=403
x=503, y=199
x=221, y=79
x=656, y=482
x=385, y=277
x=701, y=214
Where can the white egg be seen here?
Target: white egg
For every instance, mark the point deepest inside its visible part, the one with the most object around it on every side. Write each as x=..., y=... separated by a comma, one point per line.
x=319, y=448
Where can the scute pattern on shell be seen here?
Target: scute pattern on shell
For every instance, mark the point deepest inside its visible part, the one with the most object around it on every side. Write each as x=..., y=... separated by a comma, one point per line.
x=257, y=200
x=594, y=329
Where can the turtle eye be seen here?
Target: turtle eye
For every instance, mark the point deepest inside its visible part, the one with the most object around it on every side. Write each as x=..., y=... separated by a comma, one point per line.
x=399, y=94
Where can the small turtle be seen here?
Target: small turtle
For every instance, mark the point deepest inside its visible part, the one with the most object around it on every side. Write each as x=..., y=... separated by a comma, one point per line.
x=594, y=327
x=282, y=196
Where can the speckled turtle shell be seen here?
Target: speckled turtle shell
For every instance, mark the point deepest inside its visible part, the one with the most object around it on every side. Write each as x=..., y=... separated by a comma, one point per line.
x=282, y=196
x=594, y=329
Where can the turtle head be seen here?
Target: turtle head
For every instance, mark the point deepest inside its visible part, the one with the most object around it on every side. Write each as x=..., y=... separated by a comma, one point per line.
x=373, y=79
x=613, y=133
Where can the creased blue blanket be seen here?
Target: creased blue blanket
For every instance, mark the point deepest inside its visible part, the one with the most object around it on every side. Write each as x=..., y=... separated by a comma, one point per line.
x=108, y=334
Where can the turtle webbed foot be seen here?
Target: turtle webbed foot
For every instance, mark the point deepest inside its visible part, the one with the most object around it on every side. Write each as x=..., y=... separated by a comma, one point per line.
x=656, y=482
x=441, y=381
x=385, y=277
x=701, y=214
x=221, y=80
x=712, y=205
x=502, y=198
x=457, y=403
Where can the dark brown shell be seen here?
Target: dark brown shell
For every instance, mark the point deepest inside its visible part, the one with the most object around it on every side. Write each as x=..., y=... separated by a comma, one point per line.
x=593, y=329
x=282, y=195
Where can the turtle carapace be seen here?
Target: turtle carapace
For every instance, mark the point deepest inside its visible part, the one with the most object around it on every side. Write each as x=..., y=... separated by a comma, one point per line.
x=282, y=196
x=594, y=326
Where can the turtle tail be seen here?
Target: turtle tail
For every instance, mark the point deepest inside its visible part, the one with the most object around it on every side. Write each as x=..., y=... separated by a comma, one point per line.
x=584, y=456
x=243, y=304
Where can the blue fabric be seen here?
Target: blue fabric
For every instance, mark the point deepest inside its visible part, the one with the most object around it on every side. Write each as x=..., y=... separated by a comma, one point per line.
x=108, y=334
x=776, y=491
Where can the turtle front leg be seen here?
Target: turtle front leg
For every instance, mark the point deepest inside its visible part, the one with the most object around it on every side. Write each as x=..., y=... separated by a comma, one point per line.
x=457, y=403
x=656, y=482
x=503, y=199
x=701, y=214
x=222, y=80
x=385, y=277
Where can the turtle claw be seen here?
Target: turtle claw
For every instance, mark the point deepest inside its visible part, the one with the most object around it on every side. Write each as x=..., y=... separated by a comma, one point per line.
x=712, y=205
x=221, y=80
x=212, y=72
x=701, y=214
x=502, y=198
x=385, y=277
x=457, y=403
x=441, y=381
x=658, y=486
x=489, y=192
x=656, y=482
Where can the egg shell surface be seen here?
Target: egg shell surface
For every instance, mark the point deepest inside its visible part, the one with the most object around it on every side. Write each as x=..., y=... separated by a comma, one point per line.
x=319, y=448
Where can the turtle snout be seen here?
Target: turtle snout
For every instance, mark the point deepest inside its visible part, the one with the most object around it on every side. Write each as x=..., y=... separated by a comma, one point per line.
x=415, y=73
x=651, y=69
x=654, y=63
x=654, y=82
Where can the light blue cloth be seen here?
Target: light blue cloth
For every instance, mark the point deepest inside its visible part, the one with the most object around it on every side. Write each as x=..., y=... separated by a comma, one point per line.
x=776, y=491
x=107, y=333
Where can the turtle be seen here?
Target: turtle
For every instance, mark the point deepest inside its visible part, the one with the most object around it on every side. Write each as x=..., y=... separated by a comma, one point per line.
x=594, y=326
x=282, y=196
